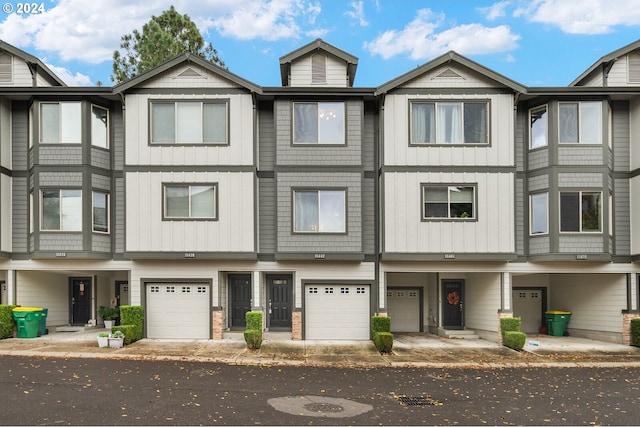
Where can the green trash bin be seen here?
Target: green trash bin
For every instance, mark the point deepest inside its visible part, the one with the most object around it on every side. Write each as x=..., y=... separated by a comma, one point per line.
x=42, y=330
x=28, y=321
x=557, y=321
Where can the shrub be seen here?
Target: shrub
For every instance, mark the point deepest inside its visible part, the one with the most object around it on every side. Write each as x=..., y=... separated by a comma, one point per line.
x=380, y=324
x=254, y=320
x=510, y=324
x=635, y=332
x=253, y=338
x=514, y=339
x=109, y=313
x=383, y=341
x=6, y=321
x=127, y=330
x=133, y=315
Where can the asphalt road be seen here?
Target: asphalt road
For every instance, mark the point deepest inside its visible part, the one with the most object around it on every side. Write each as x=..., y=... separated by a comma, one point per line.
x=56, y=391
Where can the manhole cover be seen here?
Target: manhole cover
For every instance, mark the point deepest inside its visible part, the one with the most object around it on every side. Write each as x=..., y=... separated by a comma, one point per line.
x=416, y=401
x=319, y=406
x=324, y=407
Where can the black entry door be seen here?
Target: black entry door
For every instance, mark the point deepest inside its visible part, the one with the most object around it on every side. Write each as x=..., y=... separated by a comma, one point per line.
x=452, y=303
x=240, y=299
x=80, y=300
x=279, y=302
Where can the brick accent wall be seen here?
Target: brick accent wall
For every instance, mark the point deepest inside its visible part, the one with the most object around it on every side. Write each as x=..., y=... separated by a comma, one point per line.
x=217, y=321
x=296, y=325
x=626, y=327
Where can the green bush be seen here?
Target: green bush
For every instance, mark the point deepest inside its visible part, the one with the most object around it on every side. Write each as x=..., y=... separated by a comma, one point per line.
x=635, y=332
x=380, y=324
x=109, y=313
x=510, y=324
x=133, y=315
x=383, y=341
x=253, y=338
x=514, y=339
x=254, y=320
x=127, y=330
x=6, y=321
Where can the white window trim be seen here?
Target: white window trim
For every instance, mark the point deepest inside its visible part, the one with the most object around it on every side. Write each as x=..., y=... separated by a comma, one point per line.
x=108, y=136
x=60, y=230
x=318, y=143
x=580, y=192
x=318, y=231
x=425, y=218
x=435, y=112
x=531, y=196
x=60, y=121
x=202, y=102
x=165, y=217
x=579, y=141
x=108, y=208
x=531, y=111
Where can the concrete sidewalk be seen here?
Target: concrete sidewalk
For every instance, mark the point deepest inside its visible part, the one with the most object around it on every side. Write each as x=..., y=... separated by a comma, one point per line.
x=409, y=350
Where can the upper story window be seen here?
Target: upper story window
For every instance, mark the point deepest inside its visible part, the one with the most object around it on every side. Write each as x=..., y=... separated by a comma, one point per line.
x=318, y=123
x=99, y=126
x=318, y=69
x=580, y=122
x=61, y=210
x=60, y=122
x=538, y=133
x=449, y=122
x=448, y=201
x=6, y=68
x=319, y=211
x=580, y=211
x=539, y=213
x=100, y=212
x=189, y=122
x=197, y=201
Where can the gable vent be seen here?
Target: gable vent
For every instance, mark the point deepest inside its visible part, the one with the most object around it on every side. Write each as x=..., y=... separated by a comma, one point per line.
x=634, y=67
x=448, y=74
x=6, y=68
x=318, y=69
x=190, y=73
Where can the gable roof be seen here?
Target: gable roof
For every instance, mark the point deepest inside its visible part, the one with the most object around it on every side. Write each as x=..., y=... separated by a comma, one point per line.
x=186, y=57
x=31, y=61
x=607, y=60
x=317, y=45
x=445, y=59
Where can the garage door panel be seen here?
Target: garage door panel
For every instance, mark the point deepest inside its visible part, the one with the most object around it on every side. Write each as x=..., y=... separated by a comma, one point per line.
x=178, y=311
x=404, y=309
x=337, y=312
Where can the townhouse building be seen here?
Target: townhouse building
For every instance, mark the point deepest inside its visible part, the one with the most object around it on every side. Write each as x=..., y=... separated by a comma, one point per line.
x=445, y=198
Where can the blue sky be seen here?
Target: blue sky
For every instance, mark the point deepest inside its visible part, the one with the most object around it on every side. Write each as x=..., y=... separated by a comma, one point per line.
x=534, y=42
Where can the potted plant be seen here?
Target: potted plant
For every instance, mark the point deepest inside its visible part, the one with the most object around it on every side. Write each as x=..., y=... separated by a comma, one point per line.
x=109, y=314
x=116, y=340
x=103, y=339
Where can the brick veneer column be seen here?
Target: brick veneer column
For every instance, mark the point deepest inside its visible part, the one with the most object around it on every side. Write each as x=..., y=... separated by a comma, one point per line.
x=626, y=326
x=296, y=325
x=217, y=318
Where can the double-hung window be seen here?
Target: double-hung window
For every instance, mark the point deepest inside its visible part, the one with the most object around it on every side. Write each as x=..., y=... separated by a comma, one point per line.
x=189, y=122
x=581, y=211
x=61, y=210
x=60, y=122
x=448, y=201
x=538, y=132
x=319, y=211
x=580, y=122
x=100, y=211
x=195, y=201
x=99, y=127
x=318, y=123
x=539, y=213
x=449, y=122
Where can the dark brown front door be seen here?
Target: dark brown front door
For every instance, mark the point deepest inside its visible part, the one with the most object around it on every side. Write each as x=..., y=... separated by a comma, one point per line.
x=80, y=300
x=279, y=302
x=240, y=285
x=452, y=303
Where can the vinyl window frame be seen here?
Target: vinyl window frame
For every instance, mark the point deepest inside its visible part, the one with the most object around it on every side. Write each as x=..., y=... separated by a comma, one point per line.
x=295, y=141
x=68, y=125
x=64, y=209
x=580, y=129
x=448, y=186
x=318, y=228
x=177, y=124
x=532, y=214
x=106, y=130
x=532, y=137
x=437, y=141
x=107, y=200
x=189, y=187
x=580, y=211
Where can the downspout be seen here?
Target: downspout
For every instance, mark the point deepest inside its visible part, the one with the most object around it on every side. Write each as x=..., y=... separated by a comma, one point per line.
x=378, y=203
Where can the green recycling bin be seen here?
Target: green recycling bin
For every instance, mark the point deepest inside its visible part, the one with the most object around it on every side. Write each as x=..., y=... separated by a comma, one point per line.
x=557, y=321
x=42, y=330
x=28, y=321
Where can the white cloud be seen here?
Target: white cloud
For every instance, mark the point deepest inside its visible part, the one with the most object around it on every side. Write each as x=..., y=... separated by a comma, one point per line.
x=495, y=11
x=357, y=14
x=270, y=20
x=71, y=79
x=419, y=39
x=582, y=16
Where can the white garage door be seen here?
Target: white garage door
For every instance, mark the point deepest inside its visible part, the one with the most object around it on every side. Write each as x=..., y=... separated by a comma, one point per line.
x=178, y=310
x=404, y=309
x=527, y=304
x=337, y=312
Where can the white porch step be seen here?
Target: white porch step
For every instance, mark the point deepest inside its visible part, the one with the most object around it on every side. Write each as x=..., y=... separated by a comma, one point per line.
x=465, y=334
